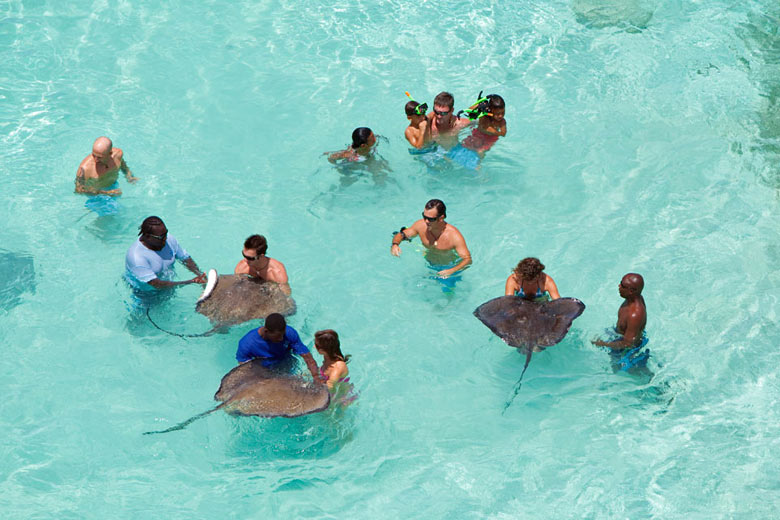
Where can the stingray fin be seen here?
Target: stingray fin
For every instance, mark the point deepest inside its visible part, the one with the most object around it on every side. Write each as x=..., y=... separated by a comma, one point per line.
x=186, y=423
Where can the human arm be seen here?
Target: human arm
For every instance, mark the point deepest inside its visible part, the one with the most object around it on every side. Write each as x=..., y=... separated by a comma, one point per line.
x=463, y=253
x=344, y=154
x=491, y=128
x=631, y=336
x=511, y=285
x=165, y=284
x=200, y=277
x=406, y=233
x=550, y=287
x=83, y=187
x=416, y=136
x=126, y=170
x=313, y=368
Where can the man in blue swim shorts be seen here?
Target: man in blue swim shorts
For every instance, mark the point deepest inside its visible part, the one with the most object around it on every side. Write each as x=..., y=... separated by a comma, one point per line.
x=149, y=261
x=98, y=176
x=444, y=244
x=274, y=343
x=629, y=331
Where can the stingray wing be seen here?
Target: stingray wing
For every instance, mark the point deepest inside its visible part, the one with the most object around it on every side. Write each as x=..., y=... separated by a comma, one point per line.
x=529, y=325
x=252, y=389
x=239, y=298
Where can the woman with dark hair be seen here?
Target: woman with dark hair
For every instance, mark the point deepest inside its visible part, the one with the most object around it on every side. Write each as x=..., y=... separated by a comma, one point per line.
x=363, y=141
x=528, y=280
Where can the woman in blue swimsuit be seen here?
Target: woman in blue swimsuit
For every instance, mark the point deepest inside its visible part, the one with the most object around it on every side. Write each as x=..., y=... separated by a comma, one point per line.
x=528, y=280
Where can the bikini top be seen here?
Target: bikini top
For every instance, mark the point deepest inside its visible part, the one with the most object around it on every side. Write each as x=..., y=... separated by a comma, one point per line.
x=521, y=292
x=325, y=376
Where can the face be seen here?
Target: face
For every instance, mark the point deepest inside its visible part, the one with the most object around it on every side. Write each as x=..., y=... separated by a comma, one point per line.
x=371, y=141
x=498, y=114
x=625, y=287
x=441, y=113
x=156, y=238
x=101, y=156
x=251, y=256
x=276, y=336
x=431, y=216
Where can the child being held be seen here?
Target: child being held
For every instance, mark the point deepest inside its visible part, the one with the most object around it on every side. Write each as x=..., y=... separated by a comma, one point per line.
x=490, y=127
x=418, y=133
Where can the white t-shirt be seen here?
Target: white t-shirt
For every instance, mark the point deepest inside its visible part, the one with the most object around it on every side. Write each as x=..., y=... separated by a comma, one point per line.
x=143, y=265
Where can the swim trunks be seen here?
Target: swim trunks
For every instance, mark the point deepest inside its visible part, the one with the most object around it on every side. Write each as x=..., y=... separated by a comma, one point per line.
x=479, y=141
x=627, y=359
x=103, y=205
x=432, y=155
x=447, y=284
x=467, y=158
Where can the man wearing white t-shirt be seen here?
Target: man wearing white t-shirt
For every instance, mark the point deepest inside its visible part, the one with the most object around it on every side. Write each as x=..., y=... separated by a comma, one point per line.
x=149, y=261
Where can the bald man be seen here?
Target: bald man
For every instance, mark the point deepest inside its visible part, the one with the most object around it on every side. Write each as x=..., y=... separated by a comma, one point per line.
x=99, y=171
x=632, y=315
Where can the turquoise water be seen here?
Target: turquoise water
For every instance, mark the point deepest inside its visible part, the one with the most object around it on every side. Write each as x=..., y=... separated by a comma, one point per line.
x=643, y=136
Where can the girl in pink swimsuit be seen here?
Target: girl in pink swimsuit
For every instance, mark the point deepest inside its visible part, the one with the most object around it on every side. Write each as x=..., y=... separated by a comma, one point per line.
x=490, y=127
x=334, y=366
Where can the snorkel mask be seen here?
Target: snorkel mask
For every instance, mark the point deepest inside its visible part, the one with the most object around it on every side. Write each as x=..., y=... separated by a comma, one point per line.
x=421, y=107
x=481, y=107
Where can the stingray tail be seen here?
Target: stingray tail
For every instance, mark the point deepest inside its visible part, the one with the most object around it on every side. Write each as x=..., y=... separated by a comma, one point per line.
x=186, y=423
x=209, y=332
x=519, y=382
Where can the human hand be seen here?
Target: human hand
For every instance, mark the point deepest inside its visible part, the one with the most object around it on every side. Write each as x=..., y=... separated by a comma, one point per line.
x=130, y=178
x=444, y=273
x=599, y=343
x=201, y=278
x=395, y=250
x=113, y=192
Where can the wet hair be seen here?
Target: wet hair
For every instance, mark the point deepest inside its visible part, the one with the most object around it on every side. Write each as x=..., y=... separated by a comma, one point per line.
x=411, y=108
x=495, y=102
x=328, y=340
x=529, y=268
x=441, y=209
x=275, y=322
x=256, y=242
x=444, y=99
x=149, y=224
x=360, y=136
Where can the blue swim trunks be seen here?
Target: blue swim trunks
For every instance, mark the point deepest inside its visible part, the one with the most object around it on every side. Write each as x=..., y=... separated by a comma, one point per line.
x=467, y=158
x=447, y=284
x=103, y=205
x=432, y=155
x=627, y=359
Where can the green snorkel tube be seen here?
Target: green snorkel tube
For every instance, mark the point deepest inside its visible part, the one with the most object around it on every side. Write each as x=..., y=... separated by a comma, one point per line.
x=421, y=107
x=478, y=109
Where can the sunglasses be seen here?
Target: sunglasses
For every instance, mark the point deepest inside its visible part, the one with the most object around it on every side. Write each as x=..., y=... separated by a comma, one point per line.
x=158, y=237
x=429, y=219
x=438, y=113
x=251, y=258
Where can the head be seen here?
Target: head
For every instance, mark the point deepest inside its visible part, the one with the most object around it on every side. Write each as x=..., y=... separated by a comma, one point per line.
x=443, y=105
x=415, y=111
x=435, y=211
x=101, y=150
x=254, y=248
x=496, y=106
x=631, y=285
x=363, y=136
x=274, y=328
x=327, y=343
x=153, y=233
x=529, y=268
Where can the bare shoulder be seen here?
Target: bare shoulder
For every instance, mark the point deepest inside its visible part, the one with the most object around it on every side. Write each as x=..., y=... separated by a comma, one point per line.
x=339, y=369
x=275, y=264
x=455, y=232
x=242, y=268
x=117, y=154
x=83, y=166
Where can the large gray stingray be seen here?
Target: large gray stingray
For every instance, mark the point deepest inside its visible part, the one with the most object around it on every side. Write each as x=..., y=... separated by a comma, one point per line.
x=252, y=389
x=17, y=276
x=235, y=299
x=529, y=326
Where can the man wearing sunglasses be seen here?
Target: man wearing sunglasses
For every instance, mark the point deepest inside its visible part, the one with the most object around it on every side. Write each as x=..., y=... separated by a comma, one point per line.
x=149, y=261
x=443, y=122
x=257, y=265
x=443, y=242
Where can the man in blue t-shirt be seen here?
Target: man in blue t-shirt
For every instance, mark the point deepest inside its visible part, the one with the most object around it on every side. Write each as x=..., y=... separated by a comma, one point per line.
x=272, y=343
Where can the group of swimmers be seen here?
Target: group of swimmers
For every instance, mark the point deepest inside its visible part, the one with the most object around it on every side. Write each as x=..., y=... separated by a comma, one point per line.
x=150, y=259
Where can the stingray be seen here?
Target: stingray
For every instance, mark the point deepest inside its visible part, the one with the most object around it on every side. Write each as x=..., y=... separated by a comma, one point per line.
x=232, y=299
x=529, y=326
x=17, y=276
x=252, y=389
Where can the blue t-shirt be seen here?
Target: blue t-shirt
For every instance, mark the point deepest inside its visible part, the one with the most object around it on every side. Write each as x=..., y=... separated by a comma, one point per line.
x=252, y=345
x=143, y=265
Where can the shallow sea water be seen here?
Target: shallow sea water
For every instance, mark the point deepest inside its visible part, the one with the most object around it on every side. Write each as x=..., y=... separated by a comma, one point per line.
x=643, y=136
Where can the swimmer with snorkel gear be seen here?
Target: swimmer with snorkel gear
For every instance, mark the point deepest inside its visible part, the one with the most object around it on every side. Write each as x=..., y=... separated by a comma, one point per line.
x=489, y=113
x=418, y=133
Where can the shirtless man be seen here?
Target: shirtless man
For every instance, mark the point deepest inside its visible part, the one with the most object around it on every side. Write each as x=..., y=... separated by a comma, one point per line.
x=443, y=241
x=632, y=315
x=444, y=124
x=257, y=265
x=98, y=172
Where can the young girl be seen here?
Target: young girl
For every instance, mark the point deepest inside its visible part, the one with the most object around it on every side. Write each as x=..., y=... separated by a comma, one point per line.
x=334, y=367
x=363, y=141
x=489, y=128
